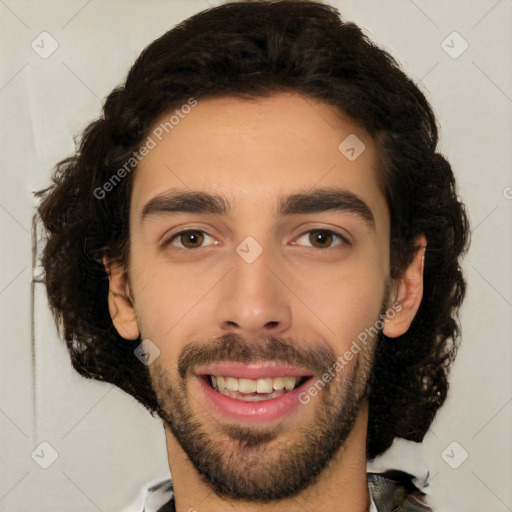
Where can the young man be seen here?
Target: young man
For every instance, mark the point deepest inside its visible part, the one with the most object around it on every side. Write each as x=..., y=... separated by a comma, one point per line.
x=259, y=242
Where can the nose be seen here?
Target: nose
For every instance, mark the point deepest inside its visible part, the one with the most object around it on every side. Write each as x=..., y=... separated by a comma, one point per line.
x=253, y=302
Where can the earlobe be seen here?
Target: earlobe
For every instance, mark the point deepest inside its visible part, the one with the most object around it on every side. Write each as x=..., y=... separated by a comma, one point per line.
x=408, y=295
x=120, y=304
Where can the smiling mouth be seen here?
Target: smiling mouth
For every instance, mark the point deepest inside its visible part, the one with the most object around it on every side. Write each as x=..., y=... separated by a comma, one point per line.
x=253, y=390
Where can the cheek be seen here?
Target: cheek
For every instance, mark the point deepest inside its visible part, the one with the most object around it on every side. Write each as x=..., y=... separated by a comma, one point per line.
x=346, y=299
x=170, y=301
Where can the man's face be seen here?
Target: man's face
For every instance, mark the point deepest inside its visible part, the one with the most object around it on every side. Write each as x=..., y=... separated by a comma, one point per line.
x=277, y=285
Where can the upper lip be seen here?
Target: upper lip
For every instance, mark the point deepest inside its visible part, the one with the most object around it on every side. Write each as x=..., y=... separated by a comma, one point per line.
x=252, y=371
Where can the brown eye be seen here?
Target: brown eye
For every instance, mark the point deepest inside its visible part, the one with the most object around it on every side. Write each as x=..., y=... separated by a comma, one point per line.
x=321, y=239
x=191, y=239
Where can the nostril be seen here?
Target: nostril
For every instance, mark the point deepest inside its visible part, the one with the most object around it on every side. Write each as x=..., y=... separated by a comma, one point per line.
x=271, y=325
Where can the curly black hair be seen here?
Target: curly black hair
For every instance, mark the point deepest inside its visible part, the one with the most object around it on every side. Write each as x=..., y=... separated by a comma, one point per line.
x=253, y=49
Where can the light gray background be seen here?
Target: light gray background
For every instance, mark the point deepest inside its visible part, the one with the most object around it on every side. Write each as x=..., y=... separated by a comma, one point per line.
x=108, y=446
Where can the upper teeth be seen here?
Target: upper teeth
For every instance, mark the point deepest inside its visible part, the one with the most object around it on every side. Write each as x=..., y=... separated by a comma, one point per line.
x=254, y=385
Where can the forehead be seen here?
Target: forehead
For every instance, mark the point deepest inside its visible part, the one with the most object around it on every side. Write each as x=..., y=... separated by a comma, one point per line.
x=254, y=151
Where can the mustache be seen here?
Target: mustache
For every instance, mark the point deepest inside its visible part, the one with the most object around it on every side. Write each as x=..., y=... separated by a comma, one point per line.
x=232, y=348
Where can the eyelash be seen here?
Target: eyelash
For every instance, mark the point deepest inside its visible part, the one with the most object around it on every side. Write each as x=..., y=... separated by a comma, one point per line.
x=342, y=240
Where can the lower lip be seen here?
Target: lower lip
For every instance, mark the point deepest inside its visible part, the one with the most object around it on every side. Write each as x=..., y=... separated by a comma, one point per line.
x=258, y=411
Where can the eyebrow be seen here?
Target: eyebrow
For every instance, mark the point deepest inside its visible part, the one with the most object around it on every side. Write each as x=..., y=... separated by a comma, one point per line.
x=314, y=201
x=326, y=199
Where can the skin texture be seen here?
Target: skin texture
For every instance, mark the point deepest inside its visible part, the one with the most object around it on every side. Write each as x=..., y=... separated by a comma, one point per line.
x=308, y=296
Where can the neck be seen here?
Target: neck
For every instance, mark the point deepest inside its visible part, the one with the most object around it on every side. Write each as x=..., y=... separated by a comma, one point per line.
x=341, y=487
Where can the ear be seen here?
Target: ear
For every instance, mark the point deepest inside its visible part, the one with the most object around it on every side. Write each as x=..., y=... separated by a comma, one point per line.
x=409, y=294
x=119, y=302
